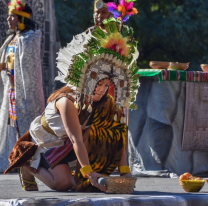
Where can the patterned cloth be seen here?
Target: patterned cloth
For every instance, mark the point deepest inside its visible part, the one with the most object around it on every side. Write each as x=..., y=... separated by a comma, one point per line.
x=195, y=131
x=28, y=90
x=12, y=120
x=107, y=141
x=56, y=154
x=105, y=145
x=10, y=56
x=178, y=75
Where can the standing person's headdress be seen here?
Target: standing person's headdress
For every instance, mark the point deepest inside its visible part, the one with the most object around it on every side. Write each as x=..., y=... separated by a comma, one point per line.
x=111, y=54
x=122, y=9
x=17, y=7
x=98, y=4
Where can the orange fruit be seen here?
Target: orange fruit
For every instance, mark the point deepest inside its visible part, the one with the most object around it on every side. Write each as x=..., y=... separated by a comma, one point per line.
x=183, y=177
x=188, y=174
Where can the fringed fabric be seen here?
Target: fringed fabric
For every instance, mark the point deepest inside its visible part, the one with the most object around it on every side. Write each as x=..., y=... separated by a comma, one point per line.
x=12, y=119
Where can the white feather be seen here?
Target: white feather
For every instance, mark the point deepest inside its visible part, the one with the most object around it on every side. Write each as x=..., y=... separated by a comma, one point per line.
x=60, y=77
x=65, y=55
x=63, y=67
x=135, y=56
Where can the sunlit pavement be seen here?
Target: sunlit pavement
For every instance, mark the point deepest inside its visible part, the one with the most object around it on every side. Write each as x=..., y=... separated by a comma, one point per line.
x=148, y=192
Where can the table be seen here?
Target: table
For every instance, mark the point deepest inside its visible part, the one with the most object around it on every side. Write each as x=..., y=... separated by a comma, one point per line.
x=175, y=75
x=166, y=103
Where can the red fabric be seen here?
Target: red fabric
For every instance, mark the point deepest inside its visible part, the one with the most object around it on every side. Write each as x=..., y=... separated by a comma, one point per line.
x=111, y=89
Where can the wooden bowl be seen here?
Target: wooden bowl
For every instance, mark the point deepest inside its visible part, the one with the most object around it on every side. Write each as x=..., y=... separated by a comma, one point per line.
x=159, y=65
x=192, y=185
x=178, y=66
x=204, y=67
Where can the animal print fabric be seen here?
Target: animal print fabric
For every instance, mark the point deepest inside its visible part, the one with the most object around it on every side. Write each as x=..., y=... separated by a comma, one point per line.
x=106, y=143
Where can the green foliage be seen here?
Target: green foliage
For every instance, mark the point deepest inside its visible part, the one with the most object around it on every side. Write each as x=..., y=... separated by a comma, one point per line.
x=166, y=30
x=172, y=30
x=73, y=17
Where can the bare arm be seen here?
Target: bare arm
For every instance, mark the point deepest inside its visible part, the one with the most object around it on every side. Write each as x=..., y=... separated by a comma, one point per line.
x=123, y=161
x=69, y=115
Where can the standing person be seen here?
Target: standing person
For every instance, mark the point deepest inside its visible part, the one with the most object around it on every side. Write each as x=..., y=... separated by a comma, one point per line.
x=81, y=119
x=22, y=96
x=101, y=12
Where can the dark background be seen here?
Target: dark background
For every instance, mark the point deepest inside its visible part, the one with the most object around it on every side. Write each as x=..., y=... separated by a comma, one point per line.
x=166, y=30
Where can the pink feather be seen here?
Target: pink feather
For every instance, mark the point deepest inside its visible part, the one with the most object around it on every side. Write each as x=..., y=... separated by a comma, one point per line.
x=113, y=5
x=123, y=3
x=129, y=6
x=20, y=4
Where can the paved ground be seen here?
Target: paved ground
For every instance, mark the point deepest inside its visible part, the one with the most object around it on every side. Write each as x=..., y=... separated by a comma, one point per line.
x=148, y=192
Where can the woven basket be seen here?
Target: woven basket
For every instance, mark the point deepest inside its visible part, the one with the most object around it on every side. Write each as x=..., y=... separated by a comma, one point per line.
x=192, y=185
x=120, y=185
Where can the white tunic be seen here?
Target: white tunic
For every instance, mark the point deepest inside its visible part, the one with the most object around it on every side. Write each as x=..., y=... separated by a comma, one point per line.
x=28, y=90
x=41, y=136
x=44, y=139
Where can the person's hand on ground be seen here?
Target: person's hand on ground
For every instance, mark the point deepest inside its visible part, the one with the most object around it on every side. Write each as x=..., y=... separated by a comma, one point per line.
x=93, y=177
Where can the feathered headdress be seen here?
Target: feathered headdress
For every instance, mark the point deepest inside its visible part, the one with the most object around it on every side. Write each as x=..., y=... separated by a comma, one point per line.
x=122, y=9
x=90, y=58
x=17, y=7
x=98, y=4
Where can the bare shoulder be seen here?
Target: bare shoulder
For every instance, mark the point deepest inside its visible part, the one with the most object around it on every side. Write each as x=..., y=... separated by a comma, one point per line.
x=64, y=103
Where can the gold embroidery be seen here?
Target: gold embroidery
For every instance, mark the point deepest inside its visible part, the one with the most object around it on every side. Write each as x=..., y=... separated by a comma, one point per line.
x=10, y=59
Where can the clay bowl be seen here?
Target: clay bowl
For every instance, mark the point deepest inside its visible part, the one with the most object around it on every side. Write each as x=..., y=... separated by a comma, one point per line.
x=178, y=66
x=204, y=67
x=159, y=65
x=192, y=185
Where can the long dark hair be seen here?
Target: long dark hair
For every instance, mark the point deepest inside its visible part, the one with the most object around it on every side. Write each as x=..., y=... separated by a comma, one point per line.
x=67, y=89
x=29, y=23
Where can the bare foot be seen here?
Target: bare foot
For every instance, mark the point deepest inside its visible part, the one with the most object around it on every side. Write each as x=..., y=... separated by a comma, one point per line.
x=27, y=179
